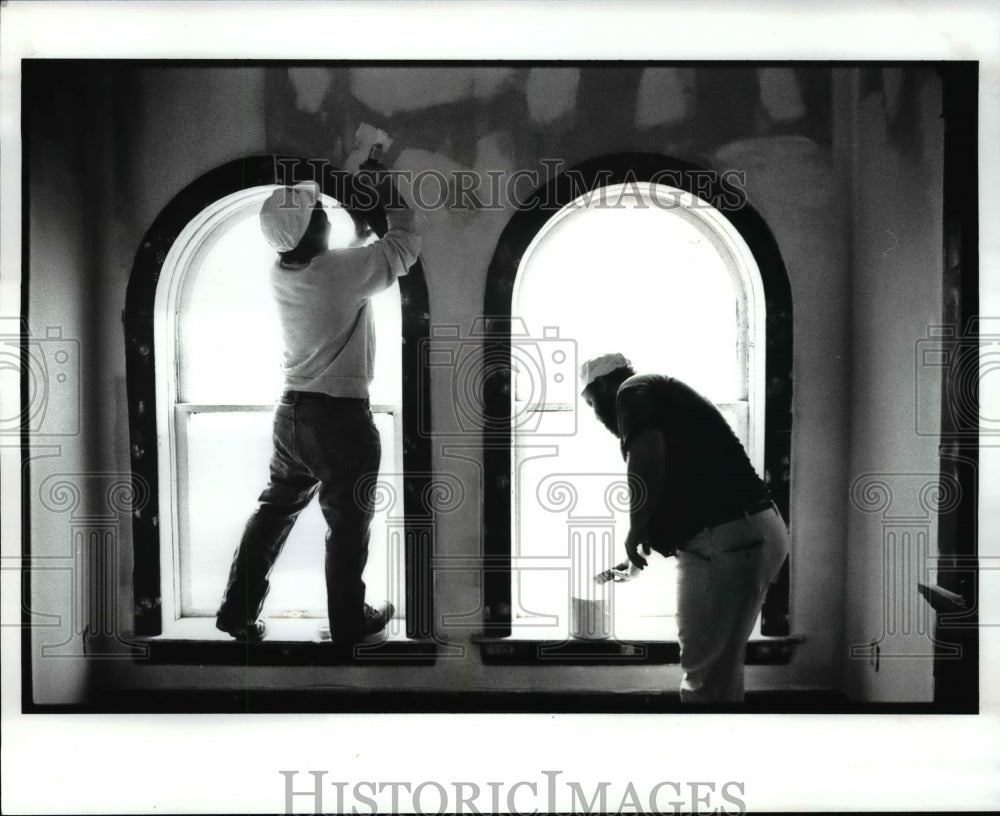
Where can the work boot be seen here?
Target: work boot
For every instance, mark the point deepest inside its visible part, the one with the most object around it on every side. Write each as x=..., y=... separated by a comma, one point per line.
x=373, y=629
x=247, y=633
x=376, y=620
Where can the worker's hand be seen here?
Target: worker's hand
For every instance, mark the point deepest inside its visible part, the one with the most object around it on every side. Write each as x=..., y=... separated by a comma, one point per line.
x=625, y=571
x=372, y=166
x=633, y=545
x=381, y=181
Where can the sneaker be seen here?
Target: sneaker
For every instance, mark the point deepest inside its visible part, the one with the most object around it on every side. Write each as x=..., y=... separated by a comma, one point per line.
x=248, y=633
x=373, y=630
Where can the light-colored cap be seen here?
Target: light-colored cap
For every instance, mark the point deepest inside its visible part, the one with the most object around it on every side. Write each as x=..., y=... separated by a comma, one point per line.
x=285, y=215
x=599, y=366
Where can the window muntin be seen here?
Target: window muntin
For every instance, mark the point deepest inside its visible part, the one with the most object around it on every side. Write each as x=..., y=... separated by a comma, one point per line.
x=216, y=389
x=661, y=276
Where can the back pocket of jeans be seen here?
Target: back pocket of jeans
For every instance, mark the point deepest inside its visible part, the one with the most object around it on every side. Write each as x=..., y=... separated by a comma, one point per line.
x=756, y=544
x=742, y=556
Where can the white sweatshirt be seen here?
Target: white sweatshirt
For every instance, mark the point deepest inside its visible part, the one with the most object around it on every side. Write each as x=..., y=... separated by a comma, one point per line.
x=325, y=314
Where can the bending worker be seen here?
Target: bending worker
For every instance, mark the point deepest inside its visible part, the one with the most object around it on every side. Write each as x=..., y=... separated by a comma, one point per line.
x=325, y=440
x=694, y=494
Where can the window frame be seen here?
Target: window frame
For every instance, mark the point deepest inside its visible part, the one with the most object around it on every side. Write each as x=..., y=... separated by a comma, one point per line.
x=186, y=254
x=150, y=420
x=521, y=231
x=748, y=293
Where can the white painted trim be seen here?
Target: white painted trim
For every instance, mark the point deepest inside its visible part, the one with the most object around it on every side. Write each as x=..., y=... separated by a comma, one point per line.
x=196, y=238
x=263, y=407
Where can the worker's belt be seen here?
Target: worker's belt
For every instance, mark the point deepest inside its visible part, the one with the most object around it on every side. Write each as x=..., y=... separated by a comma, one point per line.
x=725, y=518
x=299, y=397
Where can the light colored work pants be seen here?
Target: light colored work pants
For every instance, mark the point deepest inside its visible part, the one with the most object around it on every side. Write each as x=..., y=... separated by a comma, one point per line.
x=722, y=576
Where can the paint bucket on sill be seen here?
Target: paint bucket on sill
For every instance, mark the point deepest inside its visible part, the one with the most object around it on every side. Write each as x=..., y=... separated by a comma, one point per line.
x=591, y=602
x=590, y=618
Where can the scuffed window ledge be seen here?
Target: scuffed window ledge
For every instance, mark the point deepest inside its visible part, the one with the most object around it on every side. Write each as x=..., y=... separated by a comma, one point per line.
x=525, y=647
x=289, y=642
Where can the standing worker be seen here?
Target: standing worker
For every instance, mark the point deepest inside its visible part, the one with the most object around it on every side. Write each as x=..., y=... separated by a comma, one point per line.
x=694, y=494
x=324, y=436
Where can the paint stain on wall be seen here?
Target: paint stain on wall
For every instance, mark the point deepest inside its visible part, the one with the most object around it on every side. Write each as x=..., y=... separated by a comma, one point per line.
x=665, y=96
x=551, y=93
x=389, y=90
x=311, y=86
x=780, y=94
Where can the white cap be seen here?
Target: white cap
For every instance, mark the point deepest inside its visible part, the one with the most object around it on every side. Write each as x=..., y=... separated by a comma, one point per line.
x=285, y=215
x=599, y=366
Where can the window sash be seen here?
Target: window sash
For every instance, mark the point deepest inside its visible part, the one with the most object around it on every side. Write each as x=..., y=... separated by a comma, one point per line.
x=187, y=253
x=745, y=416
x=174, y=572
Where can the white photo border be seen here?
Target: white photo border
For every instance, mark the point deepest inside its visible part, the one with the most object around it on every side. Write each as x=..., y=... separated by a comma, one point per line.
x=74, y=763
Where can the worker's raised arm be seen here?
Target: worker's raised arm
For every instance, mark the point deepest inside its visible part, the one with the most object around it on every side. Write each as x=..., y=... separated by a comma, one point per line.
x=393, y=254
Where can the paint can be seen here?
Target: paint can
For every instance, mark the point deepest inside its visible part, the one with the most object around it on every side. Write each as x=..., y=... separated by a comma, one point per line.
x=590, y=618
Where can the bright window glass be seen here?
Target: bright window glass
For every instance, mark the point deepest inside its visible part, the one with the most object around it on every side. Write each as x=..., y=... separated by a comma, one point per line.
x=229, y=341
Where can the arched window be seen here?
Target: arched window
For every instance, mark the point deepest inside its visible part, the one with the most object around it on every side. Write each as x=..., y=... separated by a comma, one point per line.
x=204, y=373
x=216, y=387
x=665, y=263
x=660, y=275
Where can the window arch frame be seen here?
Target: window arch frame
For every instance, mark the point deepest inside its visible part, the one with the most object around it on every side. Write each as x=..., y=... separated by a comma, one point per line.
x=144, y=329
x=525, y=225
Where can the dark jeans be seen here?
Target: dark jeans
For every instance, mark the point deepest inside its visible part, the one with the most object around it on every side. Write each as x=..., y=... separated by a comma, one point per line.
x=325, y=444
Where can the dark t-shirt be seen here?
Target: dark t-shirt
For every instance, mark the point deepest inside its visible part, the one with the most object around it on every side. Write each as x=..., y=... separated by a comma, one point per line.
x=708, y=476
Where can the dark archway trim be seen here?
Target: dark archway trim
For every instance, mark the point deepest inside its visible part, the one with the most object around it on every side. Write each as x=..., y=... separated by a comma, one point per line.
x=140, y=366
x=727, y=196
x=962, y=336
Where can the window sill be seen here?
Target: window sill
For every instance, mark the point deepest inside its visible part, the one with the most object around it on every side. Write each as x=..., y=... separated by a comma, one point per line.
x=289, y=642
x=523, y=651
